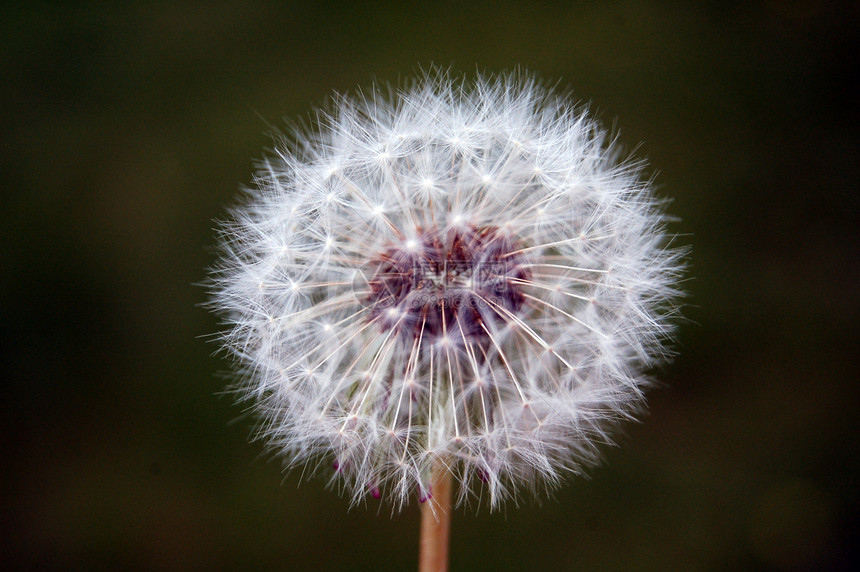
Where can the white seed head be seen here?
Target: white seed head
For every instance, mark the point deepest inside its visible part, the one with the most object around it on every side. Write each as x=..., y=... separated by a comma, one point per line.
x=458, y=274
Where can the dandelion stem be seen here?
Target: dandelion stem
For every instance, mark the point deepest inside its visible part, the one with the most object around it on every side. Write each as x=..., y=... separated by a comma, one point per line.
x=436, y=523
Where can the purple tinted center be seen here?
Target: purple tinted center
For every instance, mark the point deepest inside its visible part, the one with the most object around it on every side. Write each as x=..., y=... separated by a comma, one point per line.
x=456, y=284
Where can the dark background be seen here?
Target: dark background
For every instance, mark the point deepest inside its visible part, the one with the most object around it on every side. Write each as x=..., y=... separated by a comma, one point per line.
x=126, y=130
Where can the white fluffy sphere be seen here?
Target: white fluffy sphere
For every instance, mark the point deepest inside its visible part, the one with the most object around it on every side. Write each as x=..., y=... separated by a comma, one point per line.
x=459, y=274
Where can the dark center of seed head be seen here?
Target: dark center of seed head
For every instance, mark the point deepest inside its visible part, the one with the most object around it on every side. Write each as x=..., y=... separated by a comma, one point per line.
x=448, y=286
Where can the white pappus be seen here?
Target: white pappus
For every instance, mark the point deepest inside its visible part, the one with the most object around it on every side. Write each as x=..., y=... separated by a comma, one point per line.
x=458, y=274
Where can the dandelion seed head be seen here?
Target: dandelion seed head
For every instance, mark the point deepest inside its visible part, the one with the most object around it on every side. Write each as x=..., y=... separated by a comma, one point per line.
x=459, y=274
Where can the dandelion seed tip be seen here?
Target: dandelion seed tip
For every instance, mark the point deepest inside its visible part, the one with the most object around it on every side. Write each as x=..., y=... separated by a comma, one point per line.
x=425, y=495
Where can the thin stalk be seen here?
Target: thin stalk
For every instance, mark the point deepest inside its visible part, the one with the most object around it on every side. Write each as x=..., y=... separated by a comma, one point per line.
x=436, y=523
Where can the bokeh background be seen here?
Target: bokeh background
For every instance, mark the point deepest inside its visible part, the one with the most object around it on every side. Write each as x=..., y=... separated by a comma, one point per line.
x=127, y=128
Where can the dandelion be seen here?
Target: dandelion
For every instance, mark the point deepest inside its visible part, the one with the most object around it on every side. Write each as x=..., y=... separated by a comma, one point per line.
x=458, y=282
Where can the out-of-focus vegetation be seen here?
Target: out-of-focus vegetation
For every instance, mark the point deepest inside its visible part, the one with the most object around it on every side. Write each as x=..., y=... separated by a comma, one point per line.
x=127, y=128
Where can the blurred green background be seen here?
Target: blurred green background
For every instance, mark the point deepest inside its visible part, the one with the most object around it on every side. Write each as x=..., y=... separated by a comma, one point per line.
x=126, y=129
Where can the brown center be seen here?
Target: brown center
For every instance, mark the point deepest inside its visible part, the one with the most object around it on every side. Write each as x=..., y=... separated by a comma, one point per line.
x=449, y=286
